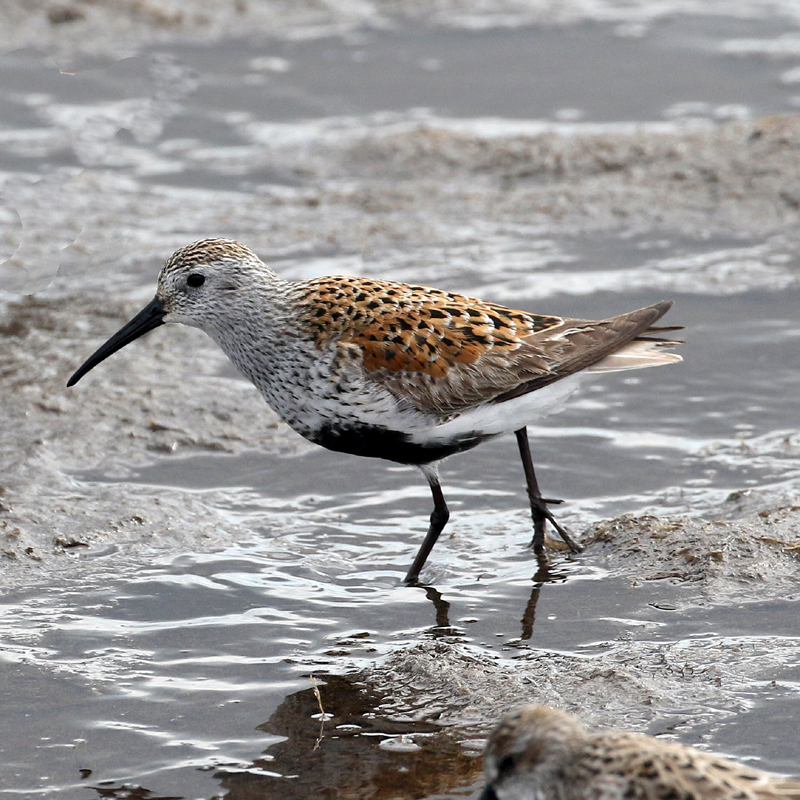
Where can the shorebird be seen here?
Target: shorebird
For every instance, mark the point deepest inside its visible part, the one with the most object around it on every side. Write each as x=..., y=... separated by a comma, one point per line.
x=390, y=370
x=540, y=753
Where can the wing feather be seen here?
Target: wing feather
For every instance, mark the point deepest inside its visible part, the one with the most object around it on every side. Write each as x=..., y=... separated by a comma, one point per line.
x=445, y=352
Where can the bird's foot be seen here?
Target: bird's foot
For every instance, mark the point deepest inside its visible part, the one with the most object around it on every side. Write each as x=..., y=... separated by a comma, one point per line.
x=542, y=515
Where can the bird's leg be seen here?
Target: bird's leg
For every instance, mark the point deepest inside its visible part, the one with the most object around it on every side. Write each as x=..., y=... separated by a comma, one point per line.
x=441, y=605
x=542, y=576
x=439, y=517
x=539, y=510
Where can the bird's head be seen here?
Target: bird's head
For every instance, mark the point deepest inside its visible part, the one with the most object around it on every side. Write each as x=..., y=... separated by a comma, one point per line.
x=199, y=285
x=524, y=751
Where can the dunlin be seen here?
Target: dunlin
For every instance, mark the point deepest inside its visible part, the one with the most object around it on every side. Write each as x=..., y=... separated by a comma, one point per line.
x=540, y=753
x=375, y=368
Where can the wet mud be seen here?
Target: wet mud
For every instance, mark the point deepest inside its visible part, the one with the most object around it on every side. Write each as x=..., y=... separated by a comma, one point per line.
x=175, y=563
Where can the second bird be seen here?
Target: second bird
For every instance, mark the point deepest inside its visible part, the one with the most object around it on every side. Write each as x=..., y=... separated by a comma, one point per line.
x=390, y=370
x=541, y=753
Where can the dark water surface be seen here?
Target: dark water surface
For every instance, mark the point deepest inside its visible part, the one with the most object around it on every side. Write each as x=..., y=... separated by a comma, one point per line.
x=187, y=674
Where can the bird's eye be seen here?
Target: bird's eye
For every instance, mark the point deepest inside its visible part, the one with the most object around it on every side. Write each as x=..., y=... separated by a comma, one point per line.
x=506, y=765
x=195, y=280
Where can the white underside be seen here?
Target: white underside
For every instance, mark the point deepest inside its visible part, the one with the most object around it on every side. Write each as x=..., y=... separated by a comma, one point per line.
x=493, y=419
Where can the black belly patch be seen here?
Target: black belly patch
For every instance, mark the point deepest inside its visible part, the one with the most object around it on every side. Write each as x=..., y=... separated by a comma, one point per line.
x=364, y=440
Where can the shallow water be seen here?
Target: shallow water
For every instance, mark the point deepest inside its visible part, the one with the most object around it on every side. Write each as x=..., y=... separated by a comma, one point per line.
x=172, y=675
x=177, y=674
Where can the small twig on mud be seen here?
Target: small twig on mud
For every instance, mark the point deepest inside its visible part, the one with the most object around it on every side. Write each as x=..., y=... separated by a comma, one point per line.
x=315, y=687
x=322, y=714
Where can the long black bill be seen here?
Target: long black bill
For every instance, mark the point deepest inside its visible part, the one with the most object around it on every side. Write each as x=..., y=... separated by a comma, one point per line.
x=151, y=316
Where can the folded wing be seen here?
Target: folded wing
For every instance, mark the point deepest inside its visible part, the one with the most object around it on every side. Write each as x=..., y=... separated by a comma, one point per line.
x=445, y=352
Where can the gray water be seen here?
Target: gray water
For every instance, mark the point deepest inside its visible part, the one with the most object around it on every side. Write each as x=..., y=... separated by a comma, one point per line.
x=179, y=673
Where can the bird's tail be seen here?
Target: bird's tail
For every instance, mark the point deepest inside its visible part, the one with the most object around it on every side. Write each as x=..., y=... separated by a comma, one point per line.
x=639, y=353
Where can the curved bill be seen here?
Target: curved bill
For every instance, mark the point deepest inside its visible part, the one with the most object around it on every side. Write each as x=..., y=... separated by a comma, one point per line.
x=151, y=316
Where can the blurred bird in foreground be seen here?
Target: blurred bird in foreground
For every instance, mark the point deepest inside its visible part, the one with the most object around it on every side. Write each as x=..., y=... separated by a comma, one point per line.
x=540, y=753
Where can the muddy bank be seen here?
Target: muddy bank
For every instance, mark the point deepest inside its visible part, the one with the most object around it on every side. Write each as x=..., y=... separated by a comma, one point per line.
x=646, y=686
x=52, y=435
x=745, y=559
x=737, y=177
x=365, y=190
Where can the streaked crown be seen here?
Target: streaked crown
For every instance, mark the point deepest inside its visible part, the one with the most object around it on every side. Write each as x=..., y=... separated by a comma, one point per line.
x=208, y=280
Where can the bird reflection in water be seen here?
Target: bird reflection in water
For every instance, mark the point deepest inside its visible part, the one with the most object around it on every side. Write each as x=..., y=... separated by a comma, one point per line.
x=546, y=573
